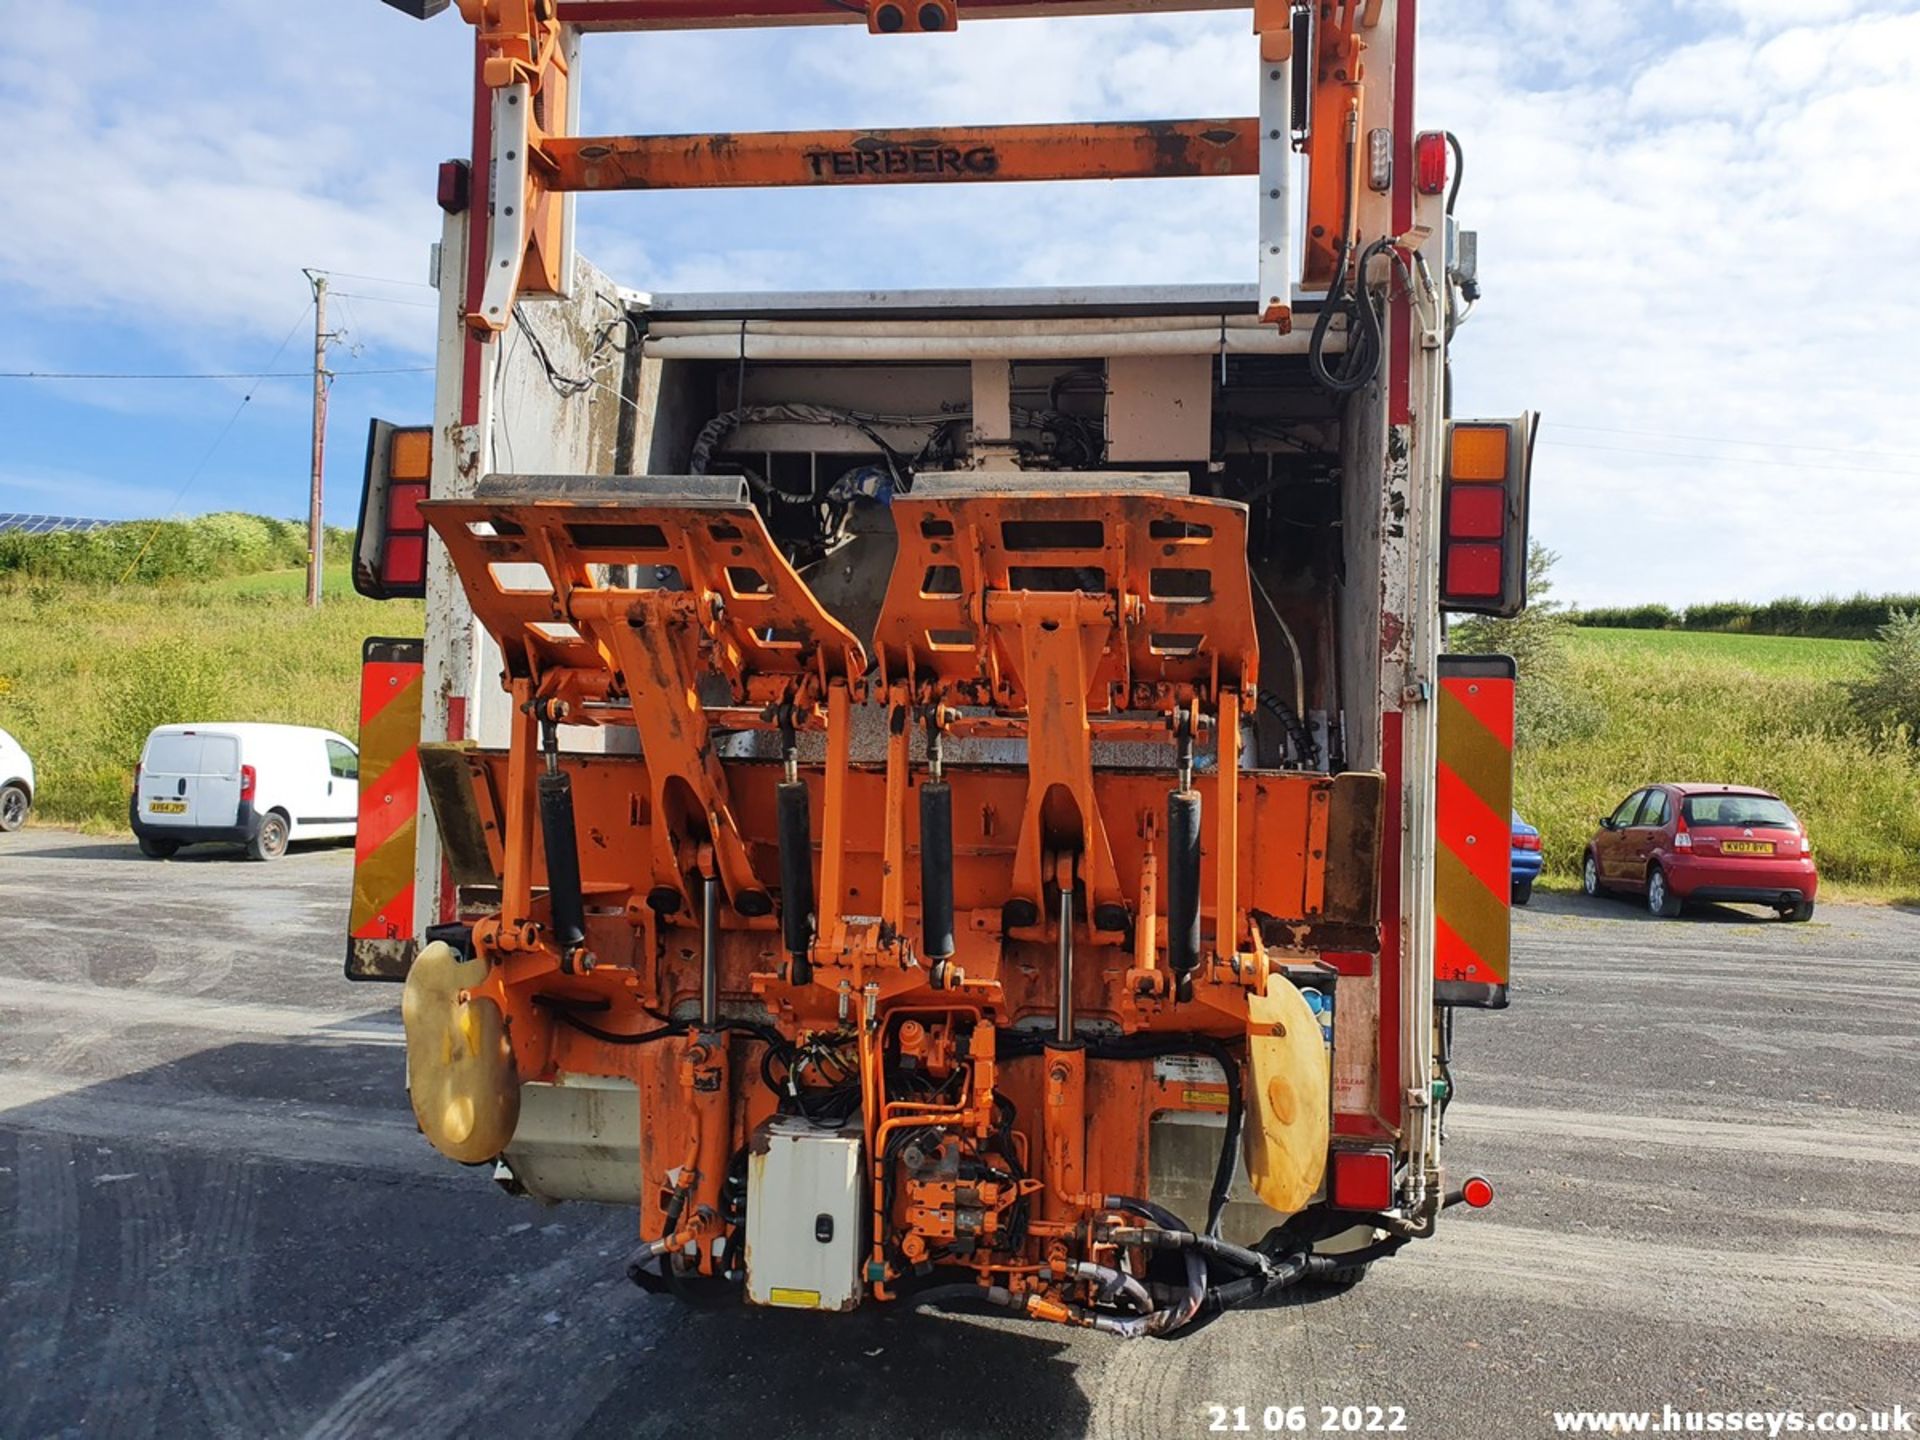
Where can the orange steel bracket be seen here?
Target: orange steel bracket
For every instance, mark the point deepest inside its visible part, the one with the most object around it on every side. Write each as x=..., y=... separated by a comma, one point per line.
x=736, y=611
x=1173, y=566
x=525, y=65
x=1334, y=157
x=1071, y=609
x=1115, y=150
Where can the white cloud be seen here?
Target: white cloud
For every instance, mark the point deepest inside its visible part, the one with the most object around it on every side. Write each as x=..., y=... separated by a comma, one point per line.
x=1695, y=219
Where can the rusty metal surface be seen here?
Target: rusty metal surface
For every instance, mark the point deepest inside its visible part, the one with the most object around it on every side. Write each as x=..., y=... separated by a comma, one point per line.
x=1110, y=150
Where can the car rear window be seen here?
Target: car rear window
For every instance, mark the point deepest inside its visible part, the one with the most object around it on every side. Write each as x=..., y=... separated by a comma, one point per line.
x=1746, y=810
x=181, y=754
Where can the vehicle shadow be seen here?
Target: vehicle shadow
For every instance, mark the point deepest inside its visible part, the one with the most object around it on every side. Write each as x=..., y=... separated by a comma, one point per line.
x=129, y=850
x=262, y=1219
x=1633, y=907
x=882, y=1371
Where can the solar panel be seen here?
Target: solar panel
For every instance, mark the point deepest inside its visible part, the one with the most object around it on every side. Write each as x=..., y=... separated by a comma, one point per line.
x=48, y=524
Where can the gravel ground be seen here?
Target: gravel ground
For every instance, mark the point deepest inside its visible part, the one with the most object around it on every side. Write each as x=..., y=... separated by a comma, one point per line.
x=216, y=1216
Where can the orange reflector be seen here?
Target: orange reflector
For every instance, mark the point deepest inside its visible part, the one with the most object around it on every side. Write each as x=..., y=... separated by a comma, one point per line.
x=1363, y=1179
x=1479, y=452
x=1477, y=1192
x=411, y=456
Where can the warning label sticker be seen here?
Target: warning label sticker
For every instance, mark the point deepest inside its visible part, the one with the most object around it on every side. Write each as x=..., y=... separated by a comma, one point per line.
x=1189, y=1070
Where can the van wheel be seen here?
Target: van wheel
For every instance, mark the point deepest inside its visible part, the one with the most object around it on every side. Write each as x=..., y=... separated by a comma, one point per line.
x=13, y=808
x=158, y=849
x=1661, y=901
x=1802, y=911
x=271, y=841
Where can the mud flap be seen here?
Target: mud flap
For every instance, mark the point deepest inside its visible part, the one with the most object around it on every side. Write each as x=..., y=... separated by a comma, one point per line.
x=1473, y=859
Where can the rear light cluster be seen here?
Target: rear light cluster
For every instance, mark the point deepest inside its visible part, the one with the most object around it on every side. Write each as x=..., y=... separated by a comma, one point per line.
x=1526, y=842
x=1430, y=161
x=1483, y=558
x=1362, y=1180
x=1682, y=839
x=246, y=784
x=390, y=547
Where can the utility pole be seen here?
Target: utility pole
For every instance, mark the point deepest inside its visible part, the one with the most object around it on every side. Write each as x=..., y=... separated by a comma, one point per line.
x=316, y=525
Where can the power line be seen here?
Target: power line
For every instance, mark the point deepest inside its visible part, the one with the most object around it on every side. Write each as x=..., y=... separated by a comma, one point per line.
x=382, y=279
x=387, y=299
x=203, y=374
x=225, y=429
x=1730, y=440
x=1740, y=460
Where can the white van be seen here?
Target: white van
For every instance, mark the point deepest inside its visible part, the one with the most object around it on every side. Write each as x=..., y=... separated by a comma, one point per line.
x=260, y=785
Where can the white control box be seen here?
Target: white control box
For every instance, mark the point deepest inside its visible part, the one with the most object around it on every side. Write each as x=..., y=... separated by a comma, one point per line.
x=804, y=1216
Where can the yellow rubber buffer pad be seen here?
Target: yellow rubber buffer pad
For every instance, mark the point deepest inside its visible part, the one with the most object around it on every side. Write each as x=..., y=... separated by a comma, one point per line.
x=1288, y=1098
x=460, y=1072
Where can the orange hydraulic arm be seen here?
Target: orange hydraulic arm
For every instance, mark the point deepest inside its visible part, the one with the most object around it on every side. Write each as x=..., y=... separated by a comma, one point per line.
x=1309, y=83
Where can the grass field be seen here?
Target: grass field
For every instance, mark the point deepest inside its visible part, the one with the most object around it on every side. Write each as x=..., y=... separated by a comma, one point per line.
x=86, y=671
x=1747, y=709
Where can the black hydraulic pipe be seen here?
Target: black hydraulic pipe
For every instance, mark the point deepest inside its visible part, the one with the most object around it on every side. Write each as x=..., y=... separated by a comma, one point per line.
x=936, y=869
x=709, y=950
x=796, y=876
x=563, y=861
x=1183, y=884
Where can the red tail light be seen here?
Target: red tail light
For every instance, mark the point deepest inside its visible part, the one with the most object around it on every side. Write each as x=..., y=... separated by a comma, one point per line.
x=1681, y=839
x=1430, y=161
x=1363, y=1179
x=1526, y=842
x=1806, y=843
x=246, y=783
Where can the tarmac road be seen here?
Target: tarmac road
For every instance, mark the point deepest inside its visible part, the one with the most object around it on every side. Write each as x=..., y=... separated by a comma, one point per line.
x=216, y=1216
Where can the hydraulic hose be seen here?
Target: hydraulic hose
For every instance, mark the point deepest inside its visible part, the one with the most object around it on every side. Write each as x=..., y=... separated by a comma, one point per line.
x=1349, y=296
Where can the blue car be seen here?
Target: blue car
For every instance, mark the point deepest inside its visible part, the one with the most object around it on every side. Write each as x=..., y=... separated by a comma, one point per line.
x=1527, y=860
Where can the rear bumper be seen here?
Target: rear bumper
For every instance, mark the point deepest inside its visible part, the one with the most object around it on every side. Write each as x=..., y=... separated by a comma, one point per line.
x=1748, y=894
x=246, y=825
x=1527, y=865
x=1763, y=882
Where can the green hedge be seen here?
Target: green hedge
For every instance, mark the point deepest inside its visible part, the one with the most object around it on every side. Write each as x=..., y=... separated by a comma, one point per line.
x=1829, y=618
x=148, y=551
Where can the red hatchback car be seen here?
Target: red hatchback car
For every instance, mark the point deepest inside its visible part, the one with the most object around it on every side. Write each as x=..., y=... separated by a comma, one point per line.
x=1675, y=843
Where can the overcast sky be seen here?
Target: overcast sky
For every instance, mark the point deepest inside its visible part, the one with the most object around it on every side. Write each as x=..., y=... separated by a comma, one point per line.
x=1697, y=240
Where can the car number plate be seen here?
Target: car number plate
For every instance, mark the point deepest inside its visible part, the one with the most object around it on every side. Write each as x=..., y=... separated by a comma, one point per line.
x=166, y=807
x=1746, y=847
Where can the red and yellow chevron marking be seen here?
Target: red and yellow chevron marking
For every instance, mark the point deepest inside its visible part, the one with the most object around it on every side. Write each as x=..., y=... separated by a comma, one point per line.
x=383, y=860
x=1472, y=885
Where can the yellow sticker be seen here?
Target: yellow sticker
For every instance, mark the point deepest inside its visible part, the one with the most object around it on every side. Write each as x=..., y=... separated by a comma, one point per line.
x=799, y=1299
x=1205, y=1097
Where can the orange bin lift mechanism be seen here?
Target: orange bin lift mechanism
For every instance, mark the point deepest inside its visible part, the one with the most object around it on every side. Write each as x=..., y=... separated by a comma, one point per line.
x=526, y=73
x=1091, y=618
